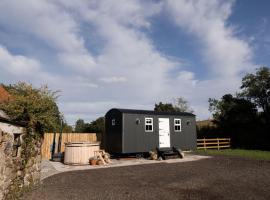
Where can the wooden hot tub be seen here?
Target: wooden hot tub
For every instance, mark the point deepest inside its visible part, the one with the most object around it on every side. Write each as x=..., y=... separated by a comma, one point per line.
x=78, y=153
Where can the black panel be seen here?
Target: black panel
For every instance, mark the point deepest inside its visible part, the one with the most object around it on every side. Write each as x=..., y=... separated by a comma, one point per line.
x=113, y=134
x=129, y=135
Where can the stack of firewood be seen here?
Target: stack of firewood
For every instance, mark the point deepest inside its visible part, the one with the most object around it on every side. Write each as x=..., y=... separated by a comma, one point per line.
x=102, y=157
x=153, y=155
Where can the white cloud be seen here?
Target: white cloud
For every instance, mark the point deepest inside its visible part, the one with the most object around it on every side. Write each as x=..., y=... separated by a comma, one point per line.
x=226, y=54
x=49, y=23
x=17, y=64
x=128, y=70
x=113, y=79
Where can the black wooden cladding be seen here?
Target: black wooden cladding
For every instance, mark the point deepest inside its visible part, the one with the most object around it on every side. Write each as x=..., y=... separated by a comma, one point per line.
x=128, y=134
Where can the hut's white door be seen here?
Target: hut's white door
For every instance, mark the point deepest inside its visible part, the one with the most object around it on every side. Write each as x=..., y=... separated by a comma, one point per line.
x=164, y=132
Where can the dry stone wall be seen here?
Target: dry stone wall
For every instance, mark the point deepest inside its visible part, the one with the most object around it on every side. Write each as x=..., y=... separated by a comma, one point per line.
x=19, y=165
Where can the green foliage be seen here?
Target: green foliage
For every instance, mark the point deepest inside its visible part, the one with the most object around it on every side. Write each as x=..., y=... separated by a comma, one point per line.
x=35, y=106
x=80, y=126
x=238, y=116
x=180, y=105
x=164, y=107
x=255, y=154
x=232, y=109
x=256, y=87
x=66, y=128
x=96, y=126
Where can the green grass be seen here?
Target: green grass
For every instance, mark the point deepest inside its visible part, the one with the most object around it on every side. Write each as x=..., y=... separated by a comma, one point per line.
x=255, y=154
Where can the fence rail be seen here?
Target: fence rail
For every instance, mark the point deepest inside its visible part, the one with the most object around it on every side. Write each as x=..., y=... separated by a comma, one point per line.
x=66, y=137
x=213, y=143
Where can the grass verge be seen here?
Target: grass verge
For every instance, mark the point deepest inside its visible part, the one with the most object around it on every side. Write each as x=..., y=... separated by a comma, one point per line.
x=255, y=154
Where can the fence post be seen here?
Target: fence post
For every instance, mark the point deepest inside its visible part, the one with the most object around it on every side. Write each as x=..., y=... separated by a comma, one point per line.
x=218, y=143
x=204, y=145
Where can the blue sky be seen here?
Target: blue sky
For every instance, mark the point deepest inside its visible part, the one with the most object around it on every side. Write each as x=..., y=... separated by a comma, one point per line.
x=132, y=54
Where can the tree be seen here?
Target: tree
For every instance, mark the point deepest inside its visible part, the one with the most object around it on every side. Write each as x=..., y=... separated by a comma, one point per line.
x=236, y=117
x=80, y=126
x=164, y=107
x=179, y=105
x=66, y=128
x=256, y=87
x=35, y=106
x=237, y=110
x=239, y=116
x=96, y=126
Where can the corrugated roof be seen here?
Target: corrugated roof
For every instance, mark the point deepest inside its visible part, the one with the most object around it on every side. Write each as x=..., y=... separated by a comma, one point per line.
x=152, y=112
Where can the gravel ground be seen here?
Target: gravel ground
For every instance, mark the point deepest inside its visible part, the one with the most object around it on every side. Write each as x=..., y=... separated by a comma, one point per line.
x=220, y=177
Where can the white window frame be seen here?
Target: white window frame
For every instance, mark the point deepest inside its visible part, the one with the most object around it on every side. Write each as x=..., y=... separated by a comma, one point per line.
x=148, y=124
x=113, y=122
x=180, y=125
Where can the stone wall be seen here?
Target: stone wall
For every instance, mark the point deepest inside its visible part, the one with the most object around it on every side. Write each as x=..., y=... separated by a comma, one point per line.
x=19, y=167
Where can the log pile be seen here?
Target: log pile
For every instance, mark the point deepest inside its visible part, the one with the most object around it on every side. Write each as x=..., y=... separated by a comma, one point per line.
x=102, y=157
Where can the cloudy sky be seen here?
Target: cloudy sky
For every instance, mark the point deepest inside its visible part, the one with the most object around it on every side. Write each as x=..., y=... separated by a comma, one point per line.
x=132, y=53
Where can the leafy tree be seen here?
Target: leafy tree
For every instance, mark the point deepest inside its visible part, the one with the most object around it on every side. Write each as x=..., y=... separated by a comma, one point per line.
x=67, y=128
x=256, y=87
x=237, y=117
x=232, y=108
x=96, y=126
x=35, y=106
x=164, y=107
x=180, y=105
x=80, y=126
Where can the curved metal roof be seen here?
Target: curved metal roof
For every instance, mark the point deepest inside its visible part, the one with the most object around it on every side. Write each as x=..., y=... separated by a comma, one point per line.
x=151, y=112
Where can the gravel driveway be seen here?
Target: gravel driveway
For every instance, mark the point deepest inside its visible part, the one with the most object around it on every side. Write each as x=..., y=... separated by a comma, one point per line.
x=220, y=177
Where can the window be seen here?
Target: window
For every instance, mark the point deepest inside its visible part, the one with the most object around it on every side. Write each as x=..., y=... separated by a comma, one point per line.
x=148, y=124
x=113, y=122
x=177, y=125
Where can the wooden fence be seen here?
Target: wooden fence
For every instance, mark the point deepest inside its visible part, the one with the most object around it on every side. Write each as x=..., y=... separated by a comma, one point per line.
x=214, y=143
x=66, y=137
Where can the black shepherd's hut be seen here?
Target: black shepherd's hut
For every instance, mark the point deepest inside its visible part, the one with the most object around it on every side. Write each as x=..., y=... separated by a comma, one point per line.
x=135, y=131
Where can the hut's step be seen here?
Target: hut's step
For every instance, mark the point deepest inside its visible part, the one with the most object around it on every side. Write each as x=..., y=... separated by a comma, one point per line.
x=167, y=153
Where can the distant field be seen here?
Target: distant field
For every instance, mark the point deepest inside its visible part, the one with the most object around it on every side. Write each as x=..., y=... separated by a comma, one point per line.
x=256, y=154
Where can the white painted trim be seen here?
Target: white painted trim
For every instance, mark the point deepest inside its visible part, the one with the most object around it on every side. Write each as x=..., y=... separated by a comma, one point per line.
x=152, y=124
x=176, y=119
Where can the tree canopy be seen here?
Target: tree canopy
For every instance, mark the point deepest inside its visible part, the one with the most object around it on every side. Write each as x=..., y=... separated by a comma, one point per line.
x=256, y=87
x=35, y=106
x=80, y=126
x=96, y=126
x=245, y=116
x=179, y=105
